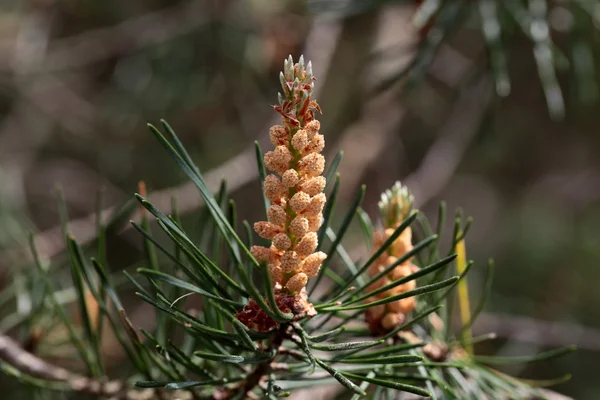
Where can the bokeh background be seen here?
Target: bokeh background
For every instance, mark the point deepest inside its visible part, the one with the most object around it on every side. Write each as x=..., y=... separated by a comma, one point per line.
x=490, y=105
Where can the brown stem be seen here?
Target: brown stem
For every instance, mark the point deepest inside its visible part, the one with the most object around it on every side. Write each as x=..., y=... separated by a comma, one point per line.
x=253, y=380
x=34, y=367
x=13, y=354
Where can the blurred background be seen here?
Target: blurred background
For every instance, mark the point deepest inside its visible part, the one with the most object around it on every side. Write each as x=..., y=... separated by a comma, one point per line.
x=490, y=105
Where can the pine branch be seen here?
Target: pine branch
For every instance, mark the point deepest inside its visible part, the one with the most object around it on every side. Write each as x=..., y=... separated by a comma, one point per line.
x=256, y=376
x=238, y=350
x=29, y=364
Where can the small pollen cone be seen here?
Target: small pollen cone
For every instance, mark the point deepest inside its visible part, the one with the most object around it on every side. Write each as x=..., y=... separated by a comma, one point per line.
x=395, y=206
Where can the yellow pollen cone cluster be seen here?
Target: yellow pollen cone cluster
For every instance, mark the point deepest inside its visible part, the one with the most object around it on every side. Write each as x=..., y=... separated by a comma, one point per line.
x=394, y=206
x=295, y=187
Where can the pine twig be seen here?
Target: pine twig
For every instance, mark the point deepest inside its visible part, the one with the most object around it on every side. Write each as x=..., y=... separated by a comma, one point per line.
x=256, y=376
x=29, y=364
